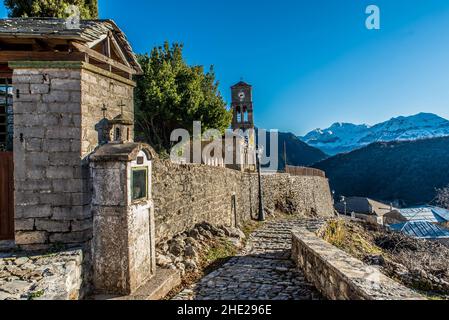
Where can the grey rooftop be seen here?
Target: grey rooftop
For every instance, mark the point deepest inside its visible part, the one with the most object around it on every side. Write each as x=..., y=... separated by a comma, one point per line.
x=90, y=31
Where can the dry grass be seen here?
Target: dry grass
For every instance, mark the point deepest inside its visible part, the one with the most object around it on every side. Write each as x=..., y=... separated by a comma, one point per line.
x=348, y=238
x=420, y=265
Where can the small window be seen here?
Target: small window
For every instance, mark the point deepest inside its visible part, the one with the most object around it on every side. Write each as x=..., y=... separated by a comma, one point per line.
x=139, y=183
x=118, y=135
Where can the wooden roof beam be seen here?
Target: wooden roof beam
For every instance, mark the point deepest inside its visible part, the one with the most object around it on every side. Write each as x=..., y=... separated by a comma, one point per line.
x=102, y=58
x=7, y=56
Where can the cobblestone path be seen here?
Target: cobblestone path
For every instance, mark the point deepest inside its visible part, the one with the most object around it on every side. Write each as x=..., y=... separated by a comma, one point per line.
x=262, y=271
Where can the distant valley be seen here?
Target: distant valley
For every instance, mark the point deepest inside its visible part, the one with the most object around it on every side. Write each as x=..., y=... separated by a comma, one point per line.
x=409, y=171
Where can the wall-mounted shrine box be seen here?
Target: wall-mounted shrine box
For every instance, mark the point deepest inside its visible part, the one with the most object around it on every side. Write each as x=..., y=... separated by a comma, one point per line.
x=123, y=241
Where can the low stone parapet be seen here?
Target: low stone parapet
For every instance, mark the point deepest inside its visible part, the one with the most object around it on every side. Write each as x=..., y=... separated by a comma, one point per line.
x=339, y=276
x=55, y=276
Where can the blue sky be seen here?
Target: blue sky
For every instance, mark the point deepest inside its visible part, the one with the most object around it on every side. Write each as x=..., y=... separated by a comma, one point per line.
x=311, y=62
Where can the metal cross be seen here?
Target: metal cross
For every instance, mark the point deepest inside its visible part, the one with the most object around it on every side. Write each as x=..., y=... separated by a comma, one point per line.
x=104, y=109
x=121, y=105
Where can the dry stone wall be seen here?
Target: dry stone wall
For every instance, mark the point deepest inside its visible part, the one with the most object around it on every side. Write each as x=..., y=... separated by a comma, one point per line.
x=306, y=195
x=185, y=195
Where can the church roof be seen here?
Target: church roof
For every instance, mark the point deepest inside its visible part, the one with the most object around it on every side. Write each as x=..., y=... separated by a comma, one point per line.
x=90, y=31
x=241, y=84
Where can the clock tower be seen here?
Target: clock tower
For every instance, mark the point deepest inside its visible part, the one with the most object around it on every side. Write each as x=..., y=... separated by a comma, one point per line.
x=242, y=106
x=243, y=120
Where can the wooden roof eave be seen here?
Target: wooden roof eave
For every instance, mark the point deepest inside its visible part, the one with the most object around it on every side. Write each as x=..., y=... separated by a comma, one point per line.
x=40, y=36
x=13, y=56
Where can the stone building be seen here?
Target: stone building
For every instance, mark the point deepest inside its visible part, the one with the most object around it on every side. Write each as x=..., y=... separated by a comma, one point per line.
x=65, y=84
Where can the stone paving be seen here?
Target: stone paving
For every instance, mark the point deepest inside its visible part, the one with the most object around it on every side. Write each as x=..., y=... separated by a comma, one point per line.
x=262, y=271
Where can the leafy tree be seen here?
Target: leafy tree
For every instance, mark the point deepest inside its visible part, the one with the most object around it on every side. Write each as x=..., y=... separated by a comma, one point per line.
x=51, y=8
x=171, y=95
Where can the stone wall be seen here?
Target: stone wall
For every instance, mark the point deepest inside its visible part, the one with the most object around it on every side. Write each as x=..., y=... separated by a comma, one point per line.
x=47, y=144
x=338, y=276
x=57, y=112
x=185, y=195
x=306, y=195
x=98, y=91
x=59, y=276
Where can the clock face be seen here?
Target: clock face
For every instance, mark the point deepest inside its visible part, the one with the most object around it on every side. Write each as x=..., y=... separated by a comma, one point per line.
x=241, y=95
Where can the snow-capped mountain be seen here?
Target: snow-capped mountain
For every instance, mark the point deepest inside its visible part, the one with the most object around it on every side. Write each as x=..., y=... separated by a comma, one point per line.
x=345, y=137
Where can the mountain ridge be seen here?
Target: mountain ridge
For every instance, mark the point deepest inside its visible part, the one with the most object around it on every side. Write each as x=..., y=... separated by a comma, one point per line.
x=343, y=137
x=409, y=171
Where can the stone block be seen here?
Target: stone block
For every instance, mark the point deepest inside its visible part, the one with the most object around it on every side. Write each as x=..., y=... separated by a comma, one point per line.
x=56, y=96
x=73, y=108
x=81, y=199
x=63, y=133
x=50, y=119
x=27, y=132
x=66, y=84
x=31, y=237
x=26, y=199
x=59, y=172
x=57, y=145
x=39, y=88
x=82, y=225
x=35, y=173
x=71, y=237
x=36, y=159
x=68, y=185
x=25, y=107
x=27, y=78
x=22, y=87
x=70, y=213
x=24, y=224
x=28, y=97
x=75, y=97
x=52, y=225
x=55, y=199
x=33, y=211
x=37, y=185
x=33, y=145
x=75, y=75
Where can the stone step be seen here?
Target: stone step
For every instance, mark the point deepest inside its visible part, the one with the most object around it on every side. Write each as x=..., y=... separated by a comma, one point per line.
x=156, y=288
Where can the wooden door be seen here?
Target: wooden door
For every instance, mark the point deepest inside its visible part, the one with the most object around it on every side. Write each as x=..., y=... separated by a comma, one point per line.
x=6, y=196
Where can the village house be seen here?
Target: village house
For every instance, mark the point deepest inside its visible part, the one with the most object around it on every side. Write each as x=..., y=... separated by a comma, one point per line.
x=363, y=208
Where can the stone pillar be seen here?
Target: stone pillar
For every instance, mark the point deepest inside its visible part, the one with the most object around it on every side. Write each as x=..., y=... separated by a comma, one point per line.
x=50, y=206
x=59, y=108
x=123, y=235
